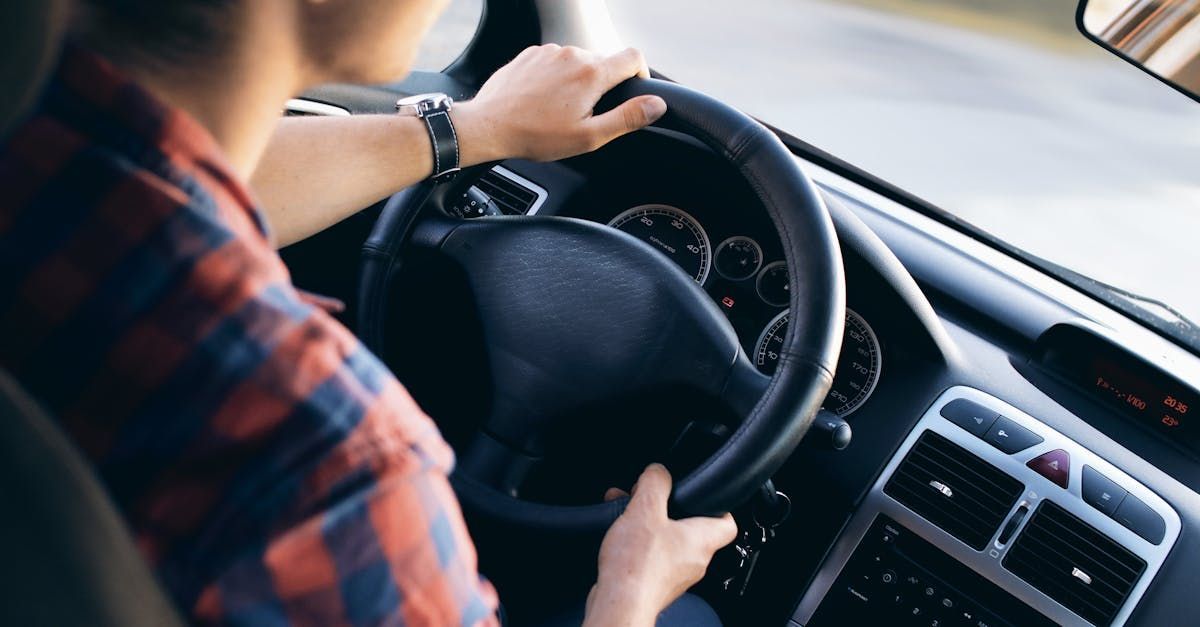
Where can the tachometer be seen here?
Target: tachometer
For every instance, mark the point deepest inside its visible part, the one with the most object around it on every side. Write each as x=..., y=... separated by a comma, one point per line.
x=672, y=231
x=858, y=364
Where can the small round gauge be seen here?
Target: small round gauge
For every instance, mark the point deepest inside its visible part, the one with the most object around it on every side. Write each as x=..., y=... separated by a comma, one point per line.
x=738, y=258
x=672, y=231
x=858, y=363
x=772, y=285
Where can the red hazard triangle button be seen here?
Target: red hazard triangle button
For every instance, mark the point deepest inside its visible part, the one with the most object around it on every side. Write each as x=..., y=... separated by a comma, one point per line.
x=1055, y=466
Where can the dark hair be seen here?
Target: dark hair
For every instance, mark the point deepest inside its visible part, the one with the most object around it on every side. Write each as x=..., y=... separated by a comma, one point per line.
x=153, y=31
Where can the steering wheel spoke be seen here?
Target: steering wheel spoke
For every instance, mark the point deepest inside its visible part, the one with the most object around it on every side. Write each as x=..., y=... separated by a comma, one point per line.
x=744, y=387
x=496, y=464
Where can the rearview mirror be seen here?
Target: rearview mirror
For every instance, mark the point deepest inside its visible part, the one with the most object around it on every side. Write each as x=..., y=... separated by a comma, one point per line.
x=1160, y=36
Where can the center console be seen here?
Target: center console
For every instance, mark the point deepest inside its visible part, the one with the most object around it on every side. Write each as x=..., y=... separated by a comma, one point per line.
x=988, y=517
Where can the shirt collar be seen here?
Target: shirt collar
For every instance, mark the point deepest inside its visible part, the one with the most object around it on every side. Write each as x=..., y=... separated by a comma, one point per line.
x=103, y=88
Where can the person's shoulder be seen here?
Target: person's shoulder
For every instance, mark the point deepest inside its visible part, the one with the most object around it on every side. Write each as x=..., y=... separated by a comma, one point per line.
x=48, y=166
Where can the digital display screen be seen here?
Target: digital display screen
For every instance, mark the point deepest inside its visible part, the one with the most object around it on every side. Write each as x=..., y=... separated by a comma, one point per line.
x=1134, y=388
x=1157, y=403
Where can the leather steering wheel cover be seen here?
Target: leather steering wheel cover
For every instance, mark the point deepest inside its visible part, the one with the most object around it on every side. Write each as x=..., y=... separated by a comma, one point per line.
x=767, y=437
x=380, y=254
x=808, y=358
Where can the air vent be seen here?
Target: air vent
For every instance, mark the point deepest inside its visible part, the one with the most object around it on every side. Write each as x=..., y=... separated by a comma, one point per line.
x=955, y=490
x=513, y=194
x=1074, y=564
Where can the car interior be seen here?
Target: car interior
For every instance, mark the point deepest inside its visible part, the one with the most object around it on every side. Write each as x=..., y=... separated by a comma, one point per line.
x=912, y=422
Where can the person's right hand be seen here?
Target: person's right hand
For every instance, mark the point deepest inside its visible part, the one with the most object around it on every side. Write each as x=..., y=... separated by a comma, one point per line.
x=540, y=105
x=648, y=560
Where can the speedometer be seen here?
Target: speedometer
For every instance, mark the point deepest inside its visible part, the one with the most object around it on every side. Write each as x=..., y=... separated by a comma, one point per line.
x=858, y=363
x=671, y=231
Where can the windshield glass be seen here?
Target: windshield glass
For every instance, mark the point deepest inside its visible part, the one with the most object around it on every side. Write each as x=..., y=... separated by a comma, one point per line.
x=998, y=111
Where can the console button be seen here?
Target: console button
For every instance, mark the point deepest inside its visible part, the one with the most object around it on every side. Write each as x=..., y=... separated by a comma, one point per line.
x=969, y=415
x=1054, y=465
x=1010, y=437
x=1140, y=519
x=1101, y=492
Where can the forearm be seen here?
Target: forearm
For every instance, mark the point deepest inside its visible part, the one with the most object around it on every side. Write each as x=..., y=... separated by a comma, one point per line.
x=618, y=605
x=317, y=171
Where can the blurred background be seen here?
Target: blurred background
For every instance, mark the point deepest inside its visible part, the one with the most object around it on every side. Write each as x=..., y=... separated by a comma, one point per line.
x=998, y=111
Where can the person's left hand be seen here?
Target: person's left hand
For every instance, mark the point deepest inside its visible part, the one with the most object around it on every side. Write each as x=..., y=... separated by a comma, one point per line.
x=539, y=106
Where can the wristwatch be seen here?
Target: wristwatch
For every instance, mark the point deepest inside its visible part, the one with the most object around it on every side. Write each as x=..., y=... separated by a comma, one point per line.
x=434, y=109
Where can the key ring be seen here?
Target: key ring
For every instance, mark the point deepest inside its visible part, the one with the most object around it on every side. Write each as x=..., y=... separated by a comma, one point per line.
x=786, y=511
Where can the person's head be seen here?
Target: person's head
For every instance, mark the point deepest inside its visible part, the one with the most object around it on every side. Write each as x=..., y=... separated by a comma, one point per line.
x=334, y=40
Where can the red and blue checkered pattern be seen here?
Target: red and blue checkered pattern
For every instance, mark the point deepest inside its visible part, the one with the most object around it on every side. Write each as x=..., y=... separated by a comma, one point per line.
x=271, y=468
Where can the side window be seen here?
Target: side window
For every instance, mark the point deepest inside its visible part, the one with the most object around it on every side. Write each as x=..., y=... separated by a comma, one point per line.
x=450, y=35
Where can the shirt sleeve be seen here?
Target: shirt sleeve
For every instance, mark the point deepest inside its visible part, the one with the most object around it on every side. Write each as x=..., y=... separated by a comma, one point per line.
x=372, y=532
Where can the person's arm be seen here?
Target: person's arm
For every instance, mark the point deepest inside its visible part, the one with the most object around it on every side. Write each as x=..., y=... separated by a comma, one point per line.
x=647, y=560
x=317, y=171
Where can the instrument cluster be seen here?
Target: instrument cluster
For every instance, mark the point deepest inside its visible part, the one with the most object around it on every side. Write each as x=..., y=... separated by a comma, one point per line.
x=752, y=290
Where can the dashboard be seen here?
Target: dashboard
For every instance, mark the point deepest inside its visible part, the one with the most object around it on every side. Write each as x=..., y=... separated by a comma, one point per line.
x=741, y=274
x=737, y=258
x=1063, y=494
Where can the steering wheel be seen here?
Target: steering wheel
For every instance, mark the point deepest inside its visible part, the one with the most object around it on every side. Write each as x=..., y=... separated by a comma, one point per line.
x=614, y=317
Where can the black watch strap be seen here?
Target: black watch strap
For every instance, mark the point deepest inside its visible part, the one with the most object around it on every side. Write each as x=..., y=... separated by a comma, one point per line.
x=445, y=145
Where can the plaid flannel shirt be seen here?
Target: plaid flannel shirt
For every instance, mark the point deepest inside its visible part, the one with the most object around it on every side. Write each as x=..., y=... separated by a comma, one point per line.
x=270, y=467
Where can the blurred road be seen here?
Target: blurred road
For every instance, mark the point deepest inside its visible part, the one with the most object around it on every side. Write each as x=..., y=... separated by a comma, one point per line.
x=1060, y=148
x=1072, y=155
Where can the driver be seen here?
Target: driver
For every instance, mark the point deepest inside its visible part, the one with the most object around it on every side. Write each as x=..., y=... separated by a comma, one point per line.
x=272, y=470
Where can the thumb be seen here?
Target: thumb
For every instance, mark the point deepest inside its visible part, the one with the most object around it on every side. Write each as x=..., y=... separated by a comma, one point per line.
x=613, y=494
x=629, y=116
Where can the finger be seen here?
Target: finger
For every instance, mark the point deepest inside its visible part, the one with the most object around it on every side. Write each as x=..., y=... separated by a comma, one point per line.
x=627, y=117
x=712, y=533
x=587, y=605
x=613, y=494
x=653, y=488
x=533, y=51
x=624, y=64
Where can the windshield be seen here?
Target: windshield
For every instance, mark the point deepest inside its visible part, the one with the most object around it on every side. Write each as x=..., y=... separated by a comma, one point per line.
x=998, y=111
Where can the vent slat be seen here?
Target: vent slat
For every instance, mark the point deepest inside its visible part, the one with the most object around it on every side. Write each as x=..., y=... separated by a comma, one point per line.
x=1081, y=561
x=1096, y=540
x=994, y=506
x=1054, y=543
x=1066, y=541
x=919, y=484
x=981, y=495
x=949, y=464
x=510, y=196
x=1093, y=604
x=952, y=520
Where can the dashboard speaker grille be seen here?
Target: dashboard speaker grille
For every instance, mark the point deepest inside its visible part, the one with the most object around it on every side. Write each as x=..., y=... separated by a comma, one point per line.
x=954, y=489
x=1074, y=564
x=510, y=196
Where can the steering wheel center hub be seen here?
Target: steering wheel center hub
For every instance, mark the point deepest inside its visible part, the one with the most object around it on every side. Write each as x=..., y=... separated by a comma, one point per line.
x=574, y=312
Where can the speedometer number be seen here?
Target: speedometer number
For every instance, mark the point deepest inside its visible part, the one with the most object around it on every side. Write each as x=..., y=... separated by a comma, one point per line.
x=858, y=363
x=672, y=232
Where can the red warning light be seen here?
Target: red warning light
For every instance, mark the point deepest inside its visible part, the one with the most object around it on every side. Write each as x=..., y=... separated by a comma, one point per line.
x=728, y=302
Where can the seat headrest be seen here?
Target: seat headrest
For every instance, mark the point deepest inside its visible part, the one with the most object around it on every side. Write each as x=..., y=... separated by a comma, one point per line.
x=30, y=38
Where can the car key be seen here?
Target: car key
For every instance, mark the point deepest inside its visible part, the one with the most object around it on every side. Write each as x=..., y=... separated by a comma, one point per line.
x=751, y=542
x=748, y=547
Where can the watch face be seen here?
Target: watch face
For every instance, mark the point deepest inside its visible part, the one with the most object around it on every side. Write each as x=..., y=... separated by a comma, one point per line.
x=421, y=104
